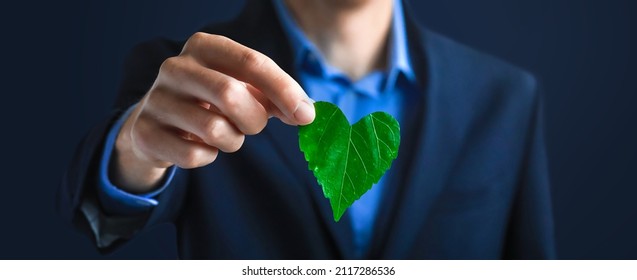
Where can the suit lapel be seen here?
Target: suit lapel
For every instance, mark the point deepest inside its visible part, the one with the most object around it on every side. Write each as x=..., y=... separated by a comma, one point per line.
x=271, y=41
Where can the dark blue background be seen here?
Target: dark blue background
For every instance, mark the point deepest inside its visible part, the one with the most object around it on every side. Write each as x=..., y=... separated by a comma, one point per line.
x=62, y=62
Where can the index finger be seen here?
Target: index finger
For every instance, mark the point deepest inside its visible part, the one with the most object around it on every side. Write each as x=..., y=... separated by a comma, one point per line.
x=231, y=58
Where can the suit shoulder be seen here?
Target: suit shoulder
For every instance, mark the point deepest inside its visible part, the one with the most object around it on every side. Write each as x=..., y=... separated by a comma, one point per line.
x=479, y=68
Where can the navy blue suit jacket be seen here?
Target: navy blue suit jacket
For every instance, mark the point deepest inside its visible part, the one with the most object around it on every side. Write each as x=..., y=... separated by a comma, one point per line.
x=473, y=178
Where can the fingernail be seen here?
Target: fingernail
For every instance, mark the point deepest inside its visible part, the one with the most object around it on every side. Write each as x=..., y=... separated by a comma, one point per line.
x=304, y=113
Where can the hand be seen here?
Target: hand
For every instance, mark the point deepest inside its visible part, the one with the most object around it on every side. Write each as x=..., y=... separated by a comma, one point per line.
x=204, y=100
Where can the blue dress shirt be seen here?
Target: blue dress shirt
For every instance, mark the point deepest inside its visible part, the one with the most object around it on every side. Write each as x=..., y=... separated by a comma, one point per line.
x=377, y=91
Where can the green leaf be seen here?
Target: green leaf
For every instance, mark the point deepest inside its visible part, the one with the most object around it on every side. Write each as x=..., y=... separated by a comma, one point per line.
x=348, y=160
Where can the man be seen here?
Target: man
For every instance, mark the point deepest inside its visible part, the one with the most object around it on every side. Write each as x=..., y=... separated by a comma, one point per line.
x=469, y=182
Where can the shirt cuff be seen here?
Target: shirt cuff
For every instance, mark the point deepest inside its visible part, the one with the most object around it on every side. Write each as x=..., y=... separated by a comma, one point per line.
x=114, y=200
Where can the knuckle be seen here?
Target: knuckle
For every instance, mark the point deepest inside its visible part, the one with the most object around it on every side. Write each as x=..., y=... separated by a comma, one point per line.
x=214, y=128
x=208, y=123
x=195, y=41
x=187, y=160
x=228, y=87
x=219, y=38
x=216, y=135
x=257, y=125
x=229, y=96
x=236, y=145
x=253, y=60
x=198, y=36
x=192, y=158
x=170, y=67
x=201, y=40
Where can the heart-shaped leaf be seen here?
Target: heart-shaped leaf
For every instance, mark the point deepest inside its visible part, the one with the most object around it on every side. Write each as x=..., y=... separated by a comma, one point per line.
x=348, y=160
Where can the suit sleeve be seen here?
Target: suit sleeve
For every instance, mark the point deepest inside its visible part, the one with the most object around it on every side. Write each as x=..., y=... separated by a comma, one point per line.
x=531, y=232
x=77, y=198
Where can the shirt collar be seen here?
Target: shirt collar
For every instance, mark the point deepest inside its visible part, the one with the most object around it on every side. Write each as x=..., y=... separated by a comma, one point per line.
x=307, y=56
